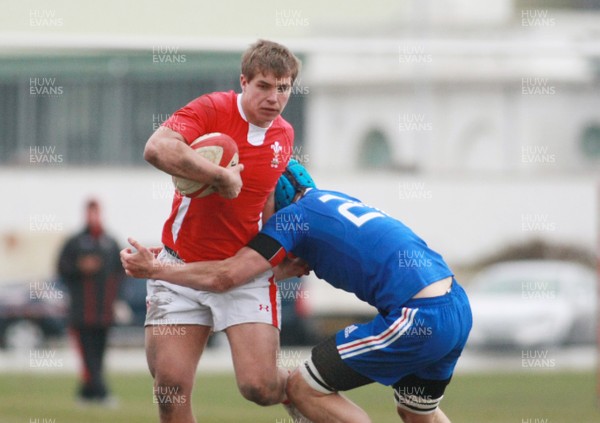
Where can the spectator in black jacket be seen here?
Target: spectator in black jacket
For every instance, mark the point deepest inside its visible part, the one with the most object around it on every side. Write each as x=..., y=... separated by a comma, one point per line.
x=90, y=266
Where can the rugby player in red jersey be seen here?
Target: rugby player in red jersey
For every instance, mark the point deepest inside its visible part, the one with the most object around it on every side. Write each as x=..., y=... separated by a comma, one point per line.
x=215, y=227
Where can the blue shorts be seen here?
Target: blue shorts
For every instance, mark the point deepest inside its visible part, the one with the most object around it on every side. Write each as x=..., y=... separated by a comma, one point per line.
x=423, y=338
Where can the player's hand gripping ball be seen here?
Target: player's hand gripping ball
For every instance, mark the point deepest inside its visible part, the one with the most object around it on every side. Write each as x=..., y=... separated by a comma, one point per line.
x=217, y=148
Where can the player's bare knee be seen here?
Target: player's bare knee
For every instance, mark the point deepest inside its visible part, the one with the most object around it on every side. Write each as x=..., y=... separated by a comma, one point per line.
x=261, y=393
x=258, y=395
x=171, y=389
x=170, y=396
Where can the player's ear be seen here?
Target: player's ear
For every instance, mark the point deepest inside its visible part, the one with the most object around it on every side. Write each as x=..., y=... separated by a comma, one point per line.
x=243, y=82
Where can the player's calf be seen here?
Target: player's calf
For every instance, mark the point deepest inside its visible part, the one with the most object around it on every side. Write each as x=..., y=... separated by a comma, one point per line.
x=315, y=386
x=321, y=404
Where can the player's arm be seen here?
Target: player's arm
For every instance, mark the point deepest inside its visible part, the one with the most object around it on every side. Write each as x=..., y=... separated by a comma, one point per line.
x=215, y=276
x=167, y=150
x=284, y=265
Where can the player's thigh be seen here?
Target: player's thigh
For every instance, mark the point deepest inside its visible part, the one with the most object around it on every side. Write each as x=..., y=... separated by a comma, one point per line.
x=173, y=355
x=250, y=315
x=326, y=372
x=254, y=349
x=255, y=302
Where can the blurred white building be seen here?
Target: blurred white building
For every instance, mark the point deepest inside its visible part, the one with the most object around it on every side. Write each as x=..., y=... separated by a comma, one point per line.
x=492, y=90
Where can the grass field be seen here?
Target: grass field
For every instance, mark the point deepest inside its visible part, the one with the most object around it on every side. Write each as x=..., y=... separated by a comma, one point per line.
x=487, y=398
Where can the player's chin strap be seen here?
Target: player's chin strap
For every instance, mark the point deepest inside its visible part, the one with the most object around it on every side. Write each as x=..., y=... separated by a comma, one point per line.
x=312, y=376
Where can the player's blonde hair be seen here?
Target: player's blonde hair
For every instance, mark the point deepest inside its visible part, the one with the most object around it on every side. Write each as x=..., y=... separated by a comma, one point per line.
x=269, y=57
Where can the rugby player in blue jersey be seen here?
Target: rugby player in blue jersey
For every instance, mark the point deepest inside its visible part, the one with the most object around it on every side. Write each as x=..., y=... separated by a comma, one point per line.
x=424, y=317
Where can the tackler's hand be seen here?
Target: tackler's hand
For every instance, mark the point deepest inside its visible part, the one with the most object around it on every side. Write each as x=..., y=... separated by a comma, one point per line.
x=291, y=266
x=140, y=263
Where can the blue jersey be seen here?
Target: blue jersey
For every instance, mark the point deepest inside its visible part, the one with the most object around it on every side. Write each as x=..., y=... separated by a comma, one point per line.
x=357, y=248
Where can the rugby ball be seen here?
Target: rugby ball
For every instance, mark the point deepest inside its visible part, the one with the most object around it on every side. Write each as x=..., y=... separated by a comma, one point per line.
x=217, y=148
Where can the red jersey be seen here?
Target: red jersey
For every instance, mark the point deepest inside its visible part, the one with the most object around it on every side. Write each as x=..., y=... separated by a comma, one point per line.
x=212, y=227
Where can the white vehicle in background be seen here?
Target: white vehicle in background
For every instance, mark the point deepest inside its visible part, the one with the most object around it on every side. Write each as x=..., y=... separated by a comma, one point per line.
x=533, y=303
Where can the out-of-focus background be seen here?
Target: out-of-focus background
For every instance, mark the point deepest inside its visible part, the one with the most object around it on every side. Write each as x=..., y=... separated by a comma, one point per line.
x=475, y=123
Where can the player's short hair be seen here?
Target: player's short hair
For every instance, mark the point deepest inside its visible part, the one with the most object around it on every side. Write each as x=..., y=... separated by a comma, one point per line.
x=92, y=203
x=269, y=57
x=294, y=179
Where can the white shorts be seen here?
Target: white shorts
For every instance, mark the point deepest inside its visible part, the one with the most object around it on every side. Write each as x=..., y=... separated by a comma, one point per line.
x=255, y=302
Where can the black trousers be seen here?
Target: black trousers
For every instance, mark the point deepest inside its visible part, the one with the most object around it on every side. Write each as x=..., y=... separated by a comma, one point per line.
x=91, y=345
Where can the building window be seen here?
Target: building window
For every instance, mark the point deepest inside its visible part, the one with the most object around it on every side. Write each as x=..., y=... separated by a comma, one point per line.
x=558, y=4
x=78, y=111
x=590, y=141
x=375, y=152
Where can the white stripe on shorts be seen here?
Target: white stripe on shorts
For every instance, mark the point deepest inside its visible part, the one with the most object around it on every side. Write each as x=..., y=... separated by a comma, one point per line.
x=382, y=340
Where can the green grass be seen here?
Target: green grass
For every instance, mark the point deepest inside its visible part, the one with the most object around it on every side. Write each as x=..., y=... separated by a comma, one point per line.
x=486, y=398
